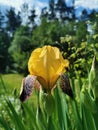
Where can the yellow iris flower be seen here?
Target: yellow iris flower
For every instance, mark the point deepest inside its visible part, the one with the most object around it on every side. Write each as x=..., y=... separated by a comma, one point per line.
x=47, y=63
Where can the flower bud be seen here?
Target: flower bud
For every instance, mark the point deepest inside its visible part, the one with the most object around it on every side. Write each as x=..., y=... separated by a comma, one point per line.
x=77, y=89
x=93, y=78
x=88, y=102
x=95, y=90
x=92, y=73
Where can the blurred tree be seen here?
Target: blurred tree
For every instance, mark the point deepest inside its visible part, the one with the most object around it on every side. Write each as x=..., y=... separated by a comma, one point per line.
x=4, y=55
x=44, y=13
x=25, y=13
x=94, y=31
x=1, y=21
x=65, y=12
x=93, y=22
x=51, y=13
x=96, y=24
x=92, y=15
x=20, y=49
x=49, y=32
x=84, y=16
x=41, y=34
x=81, y=31
x=13, y=20
x=32, y=17
x=61, y=9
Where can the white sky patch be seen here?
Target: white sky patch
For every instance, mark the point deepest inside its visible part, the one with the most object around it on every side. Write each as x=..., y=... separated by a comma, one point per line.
x=69, y=2
x=17, y=4
x=38, y=5
x=13, y=3
x=91, y=4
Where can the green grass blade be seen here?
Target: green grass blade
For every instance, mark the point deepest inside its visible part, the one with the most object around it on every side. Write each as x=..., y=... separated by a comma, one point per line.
x=50, y=124
x=88, y=120
x=4, y=124
x=76, y=116
x=15, y=117
x=61, y=109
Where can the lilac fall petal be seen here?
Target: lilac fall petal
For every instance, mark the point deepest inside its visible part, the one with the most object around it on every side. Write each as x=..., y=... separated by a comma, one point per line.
x=65, y=85
x=27, y=87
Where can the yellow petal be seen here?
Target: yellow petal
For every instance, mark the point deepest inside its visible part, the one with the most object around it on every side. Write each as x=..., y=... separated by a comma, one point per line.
x=47, y=64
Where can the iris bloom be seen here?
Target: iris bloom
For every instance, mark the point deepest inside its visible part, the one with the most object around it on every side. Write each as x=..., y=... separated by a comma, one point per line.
x=47, y=64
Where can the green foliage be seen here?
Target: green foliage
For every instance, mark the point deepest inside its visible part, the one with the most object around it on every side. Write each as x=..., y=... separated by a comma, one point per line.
x=79, y=55
x=1, y=20
x=66, y=116
x=78, y=113
x=4, y=55
x=78, y=41
x=56, y=21
x=10, y=83
x=50, y=32
x=41, y=34
x=81, y=31
x=19, y=49
x=13, y=20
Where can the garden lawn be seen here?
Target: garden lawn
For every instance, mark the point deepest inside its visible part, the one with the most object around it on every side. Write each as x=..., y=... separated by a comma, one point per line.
x=11, y=82
x=10, y=89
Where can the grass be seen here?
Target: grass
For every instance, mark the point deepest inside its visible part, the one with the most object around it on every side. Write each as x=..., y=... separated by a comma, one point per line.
x=78, y=113
x=11, y=82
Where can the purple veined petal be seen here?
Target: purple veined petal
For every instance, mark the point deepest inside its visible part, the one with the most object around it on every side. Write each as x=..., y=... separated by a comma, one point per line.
x=28, y=84
x=65, y=85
